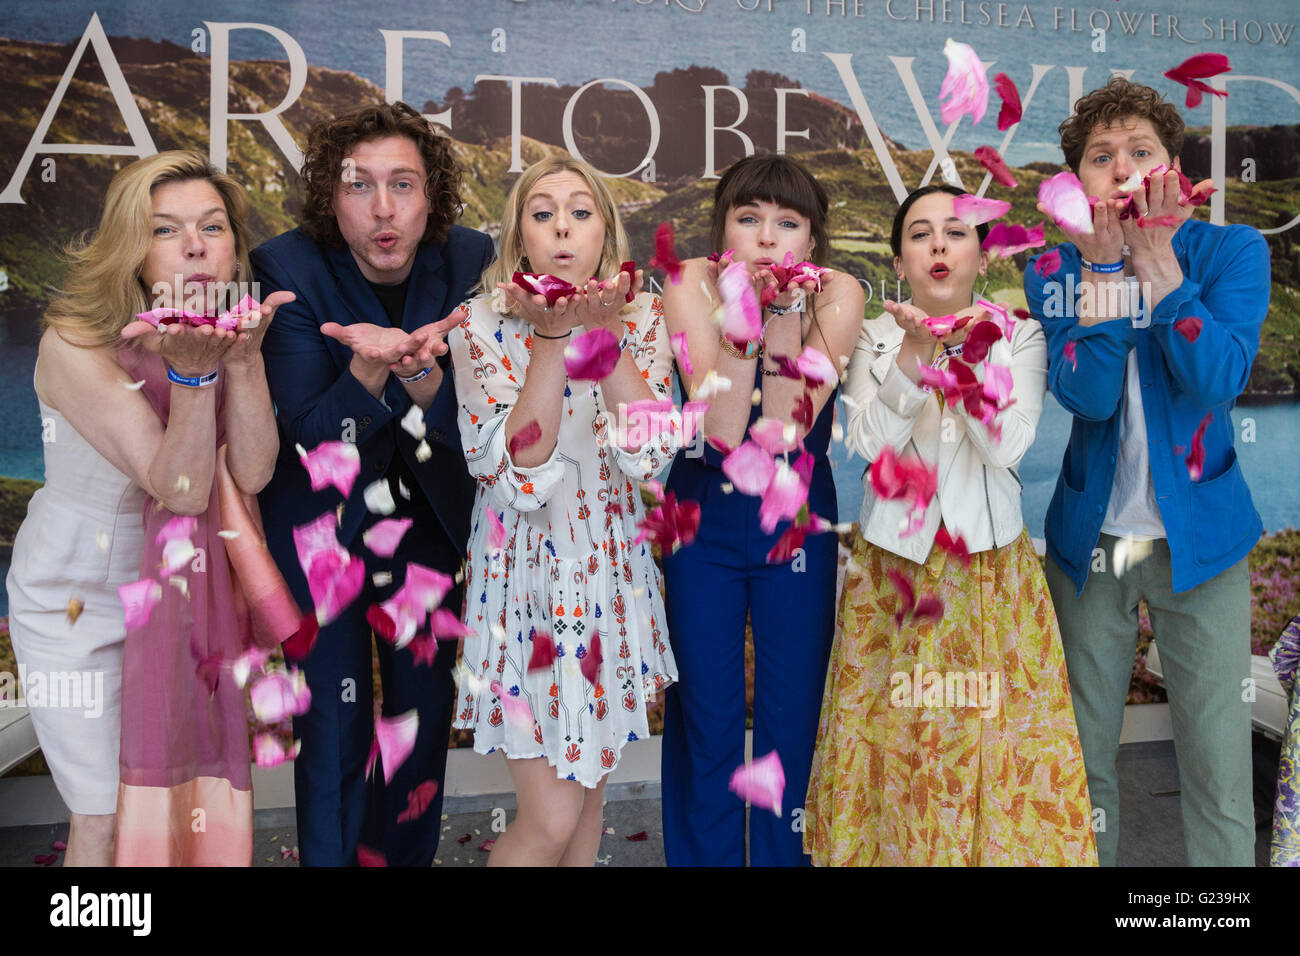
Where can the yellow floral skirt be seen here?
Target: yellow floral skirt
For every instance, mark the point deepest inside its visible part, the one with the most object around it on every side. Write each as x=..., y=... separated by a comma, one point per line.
x=949, y=743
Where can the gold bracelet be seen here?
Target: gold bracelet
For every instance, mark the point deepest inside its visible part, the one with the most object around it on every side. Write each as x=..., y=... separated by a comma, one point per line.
x=752, y=349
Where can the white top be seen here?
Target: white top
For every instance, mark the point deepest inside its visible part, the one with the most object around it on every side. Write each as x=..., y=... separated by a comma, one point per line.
x=978, y=493
x=568, y=565
x=1132, y=511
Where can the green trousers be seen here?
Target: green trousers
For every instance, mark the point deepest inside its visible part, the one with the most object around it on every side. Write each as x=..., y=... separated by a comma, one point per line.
x=1204, y=641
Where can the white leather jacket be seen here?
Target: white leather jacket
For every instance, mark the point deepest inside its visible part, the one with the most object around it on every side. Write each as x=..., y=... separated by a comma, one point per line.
x=978, y=488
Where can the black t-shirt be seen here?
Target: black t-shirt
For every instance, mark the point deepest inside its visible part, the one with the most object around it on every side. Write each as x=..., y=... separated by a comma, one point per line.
x=393, y=300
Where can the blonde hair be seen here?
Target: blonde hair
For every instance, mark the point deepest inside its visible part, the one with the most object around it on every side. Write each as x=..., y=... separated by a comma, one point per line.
x=103, y=291
x=510, y=252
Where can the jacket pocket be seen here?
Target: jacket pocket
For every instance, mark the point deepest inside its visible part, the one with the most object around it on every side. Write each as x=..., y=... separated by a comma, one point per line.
x=1218, y=511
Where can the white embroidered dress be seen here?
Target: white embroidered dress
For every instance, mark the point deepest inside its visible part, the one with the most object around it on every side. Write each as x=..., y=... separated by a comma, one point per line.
x=568, y=565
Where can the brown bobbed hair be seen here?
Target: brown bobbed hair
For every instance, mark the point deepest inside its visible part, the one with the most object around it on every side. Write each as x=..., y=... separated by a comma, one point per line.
x=778, y=180
x=1118, y=100
x=103, y=291
x=330, y=141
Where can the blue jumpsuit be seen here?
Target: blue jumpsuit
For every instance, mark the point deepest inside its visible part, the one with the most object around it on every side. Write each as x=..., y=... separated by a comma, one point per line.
x=710, y=585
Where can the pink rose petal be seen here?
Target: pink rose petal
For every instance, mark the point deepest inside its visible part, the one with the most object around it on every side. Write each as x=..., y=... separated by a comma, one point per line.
x=991, y=160
x=395, y=738
x=1049, y=263
x=384, y=536
x=1189, y=327
x=543, y=653
x=418, y=801
x=496, y=531
x=997, y=382
x=815, y=367
x=280, y=694
x=138, y=599
x=590, y=661
x=334, y=463
x=682, y=351
x=1006, y=239
x=1196, y=457
x=769, y=434
x=528, y=435
x=1071, y=356
x=591, y=356
x=974, y=211
x=1063, y=197
x=268, y=751
x=742, y=318
x=665, y=256
x=518, y=713
x=1194, y=69
x=447, y=626
x=543, y=284
x=786, y=493
x=761, y=783
x=1011, y=111
x=750, y=468
x=966, y=87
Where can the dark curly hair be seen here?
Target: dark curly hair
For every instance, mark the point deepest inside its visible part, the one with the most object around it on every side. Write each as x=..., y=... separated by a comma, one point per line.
x=1118, y=100
x=330, y=141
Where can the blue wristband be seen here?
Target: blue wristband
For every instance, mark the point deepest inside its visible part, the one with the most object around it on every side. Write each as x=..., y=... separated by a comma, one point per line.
x=414, y=378
x=1103, y=267
x=200, y=382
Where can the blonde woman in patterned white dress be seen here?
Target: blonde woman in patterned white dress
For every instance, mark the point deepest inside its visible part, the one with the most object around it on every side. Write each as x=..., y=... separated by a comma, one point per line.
x=569, y=504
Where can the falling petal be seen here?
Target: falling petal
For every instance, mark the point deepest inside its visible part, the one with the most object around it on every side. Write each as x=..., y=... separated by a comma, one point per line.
x=280, y=694
x=953, y=546
x=979, y=340
x=543, y=655
x=384, y=536
x=670, y=524
x=422, y=453
x=750, y=468
x=58, y=845
x=665, y=256
x=46, y=859
x=75, y=607
x=928, y=607
x=1189, y=327
x=742, y=318
x=906, y=595
x=496, y=531
x=1196, y=457
x=975, y=211
x=526, y=436
x=997, y=382
x=591, y=661
x=639, y=837
x=1011, y=111
x=395, y=737
x=518, y=713
x=682, y=351
x=1171, y=221
x=713, y=384
x=424, y=650
x=176, y=554
x=268, y=751
x=802, y=412
x=944, y=324
x=251, y=660
x=334, y=463
x=134, y=386
x=487, y=845
x=418, y=800
x=369, y=857
x=936, y=378
x=228, y=535
x=138, y=599
x=179, y=528
x=1049, y=263
x=1063, y=197
x=761, y=783
x=815, y=367
x=378, y=497
x=1194, y=69
x=992, y=160
x=334, y=578
x=1070, y=353
x=591, y=356
x=425, y=587
x=299, y=644
x=542, y=284
x=786, y=493
x=1006, y=239
x=446, y=625
x=966, y=87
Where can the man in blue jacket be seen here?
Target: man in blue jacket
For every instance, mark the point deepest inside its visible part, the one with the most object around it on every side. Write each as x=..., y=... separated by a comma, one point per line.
x=1152, y=323
x=377, y=267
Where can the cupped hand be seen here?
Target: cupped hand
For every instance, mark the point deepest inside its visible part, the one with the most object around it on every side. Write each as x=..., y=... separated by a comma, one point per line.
x=595, y=307
x=974, y=314
x=910, y=319
x=547, y=320
x=376, y=344
x=1159, y=216
x=252, y=330
x=191, y=351
x=1106, y=244
x=432, y=342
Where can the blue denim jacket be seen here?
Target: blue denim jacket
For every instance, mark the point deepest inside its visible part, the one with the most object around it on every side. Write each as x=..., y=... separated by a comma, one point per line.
x=1210, y=524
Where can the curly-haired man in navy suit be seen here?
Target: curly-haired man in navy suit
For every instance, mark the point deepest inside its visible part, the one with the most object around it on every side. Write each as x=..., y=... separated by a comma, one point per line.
x=377, y=267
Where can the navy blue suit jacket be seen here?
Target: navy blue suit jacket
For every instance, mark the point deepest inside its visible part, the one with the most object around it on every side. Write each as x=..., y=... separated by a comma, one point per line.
x=318, y=399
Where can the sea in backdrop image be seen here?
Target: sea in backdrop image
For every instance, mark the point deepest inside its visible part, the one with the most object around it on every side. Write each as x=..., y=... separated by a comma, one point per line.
x=878, y=47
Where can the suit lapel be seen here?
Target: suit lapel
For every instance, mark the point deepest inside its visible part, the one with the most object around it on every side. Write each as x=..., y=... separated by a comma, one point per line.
x=426, y=297
x=353, y=289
